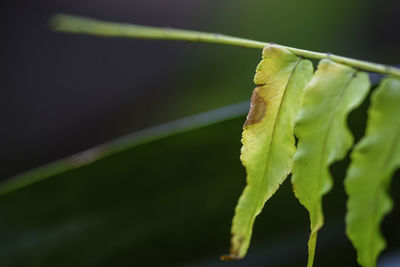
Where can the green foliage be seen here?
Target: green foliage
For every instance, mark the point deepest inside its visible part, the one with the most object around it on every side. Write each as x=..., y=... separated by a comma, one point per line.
x=323, y=138
x=323, y=135
x=374, y=160
x=268, y=137
x=289, y=100
x=113, y=207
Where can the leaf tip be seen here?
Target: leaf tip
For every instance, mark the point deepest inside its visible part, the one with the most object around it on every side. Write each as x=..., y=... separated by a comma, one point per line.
x=229, y=257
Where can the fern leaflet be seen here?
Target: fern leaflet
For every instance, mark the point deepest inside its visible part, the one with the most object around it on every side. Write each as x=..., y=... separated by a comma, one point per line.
x=331, y=94
x=374, y=160
x=268, y=138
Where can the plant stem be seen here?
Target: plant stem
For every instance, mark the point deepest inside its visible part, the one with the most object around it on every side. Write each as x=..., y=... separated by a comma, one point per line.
x=81, y=25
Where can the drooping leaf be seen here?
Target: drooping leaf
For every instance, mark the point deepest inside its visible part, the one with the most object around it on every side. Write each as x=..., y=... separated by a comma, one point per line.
x=268, y=137
x=368, y=178
x=321, y=128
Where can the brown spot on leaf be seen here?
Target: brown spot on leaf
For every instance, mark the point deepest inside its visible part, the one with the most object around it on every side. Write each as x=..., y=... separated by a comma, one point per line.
x=228, y=258
x=257, y=109
x=233, y=252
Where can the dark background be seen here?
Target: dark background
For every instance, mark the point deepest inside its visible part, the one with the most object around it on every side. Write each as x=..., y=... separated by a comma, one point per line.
x=62, y=94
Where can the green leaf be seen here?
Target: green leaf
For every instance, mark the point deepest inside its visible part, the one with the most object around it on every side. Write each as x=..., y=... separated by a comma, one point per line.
x=164, y=191
x=368, y=178
x=268, y=137
x=123, y=143
x=321, y=128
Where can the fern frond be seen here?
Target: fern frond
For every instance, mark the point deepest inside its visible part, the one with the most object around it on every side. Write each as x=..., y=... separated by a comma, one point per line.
x=286, y=89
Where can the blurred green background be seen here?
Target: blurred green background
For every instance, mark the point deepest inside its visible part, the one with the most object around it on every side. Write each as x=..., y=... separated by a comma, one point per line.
x=167, y=202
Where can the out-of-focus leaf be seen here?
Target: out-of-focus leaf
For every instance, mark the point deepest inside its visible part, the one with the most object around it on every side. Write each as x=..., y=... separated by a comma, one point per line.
x=374, y=160
x=124, y=143
x=268, y=137
x=145, y=196
x=323, y=135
